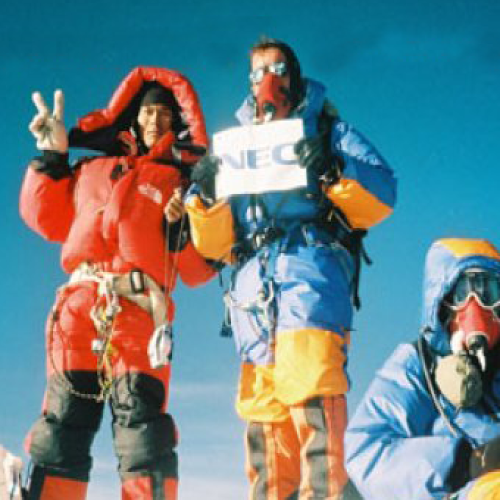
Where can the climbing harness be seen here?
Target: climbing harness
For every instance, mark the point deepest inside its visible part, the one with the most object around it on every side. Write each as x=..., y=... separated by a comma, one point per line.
x=262, y=308
x=135, y=286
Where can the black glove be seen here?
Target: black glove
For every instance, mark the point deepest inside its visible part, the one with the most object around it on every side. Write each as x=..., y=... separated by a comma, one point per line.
x=485, y=459
x=313, y=155
x=458, y=475
x=188, y=146
x=53, y=164
x=186, y=154
x=204, y=173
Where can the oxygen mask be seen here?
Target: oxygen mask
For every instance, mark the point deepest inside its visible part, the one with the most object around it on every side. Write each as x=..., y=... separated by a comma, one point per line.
x=473, y=308
x=474, y=304
x=272, y=97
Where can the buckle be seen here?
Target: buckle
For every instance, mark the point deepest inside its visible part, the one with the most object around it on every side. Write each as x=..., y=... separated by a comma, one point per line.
x=137, y=281
x=266, y=236
x=257, y=240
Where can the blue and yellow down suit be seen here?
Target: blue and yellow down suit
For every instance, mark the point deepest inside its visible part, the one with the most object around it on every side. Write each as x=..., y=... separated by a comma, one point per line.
x=290, y=300
x=397, y=444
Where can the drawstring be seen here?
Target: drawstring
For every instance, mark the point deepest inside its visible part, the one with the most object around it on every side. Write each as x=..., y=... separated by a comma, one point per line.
x=170, y=279
x=427, y=365
x=354, y=243
x=160, y=346
x=359, y=253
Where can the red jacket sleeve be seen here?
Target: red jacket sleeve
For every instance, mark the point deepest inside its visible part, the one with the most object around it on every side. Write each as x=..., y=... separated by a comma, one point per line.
x=193, y=268
x=46, y=204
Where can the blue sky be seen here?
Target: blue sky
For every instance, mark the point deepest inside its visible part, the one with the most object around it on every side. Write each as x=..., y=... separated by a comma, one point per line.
x=420, y=79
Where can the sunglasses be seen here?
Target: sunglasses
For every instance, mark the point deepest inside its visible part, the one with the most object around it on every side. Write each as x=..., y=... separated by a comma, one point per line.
x=277, y=68
x=484, y=285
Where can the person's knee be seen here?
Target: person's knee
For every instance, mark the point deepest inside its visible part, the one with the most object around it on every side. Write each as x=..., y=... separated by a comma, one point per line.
x=71, y=399
x=137, y=398
x=147, y=444
x=144, y=436
x=53, y=444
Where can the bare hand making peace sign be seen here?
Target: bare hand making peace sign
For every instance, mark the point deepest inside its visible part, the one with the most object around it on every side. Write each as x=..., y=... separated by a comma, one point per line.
x=48, y=129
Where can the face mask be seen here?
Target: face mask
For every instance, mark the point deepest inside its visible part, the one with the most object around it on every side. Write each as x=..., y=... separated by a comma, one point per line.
x=272, y=100
x=474, y=326
x=475, y=329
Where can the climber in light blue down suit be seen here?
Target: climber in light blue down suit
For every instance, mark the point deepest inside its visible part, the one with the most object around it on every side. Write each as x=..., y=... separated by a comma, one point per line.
x=429, y=424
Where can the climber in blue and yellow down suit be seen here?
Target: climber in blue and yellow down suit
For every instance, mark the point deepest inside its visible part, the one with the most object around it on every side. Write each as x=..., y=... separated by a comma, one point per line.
x=429, y=424
x=295, y=256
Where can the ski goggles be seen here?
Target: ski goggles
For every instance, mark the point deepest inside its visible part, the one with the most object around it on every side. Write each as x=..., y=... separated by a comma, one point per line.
x=278, y=68
x=484, y=285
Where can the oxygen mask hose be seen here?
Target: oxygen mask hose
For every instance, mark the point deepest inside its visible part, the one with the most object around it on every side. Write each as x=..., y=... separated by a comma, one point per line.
x=269, y=111
x=271, y=100
x=477, y=345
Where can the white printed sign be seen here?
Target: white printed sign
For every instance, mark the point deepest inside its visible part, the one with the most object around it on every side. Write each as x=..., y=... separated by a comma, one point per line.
x=259, y=158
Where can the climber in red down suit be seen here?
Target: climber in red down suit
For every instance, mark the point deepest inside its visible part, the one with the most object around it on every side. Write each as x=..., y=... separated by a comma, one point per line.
x=108, y=334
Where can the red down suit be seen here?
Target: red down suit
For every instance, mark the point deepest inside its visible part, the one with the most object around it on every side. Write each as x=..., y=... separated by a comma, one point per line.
x=108, y=214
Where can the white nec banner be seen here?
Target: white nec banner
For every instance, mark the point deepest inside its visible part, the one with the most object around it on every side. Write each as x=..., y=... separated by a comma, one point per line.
x=259, y=158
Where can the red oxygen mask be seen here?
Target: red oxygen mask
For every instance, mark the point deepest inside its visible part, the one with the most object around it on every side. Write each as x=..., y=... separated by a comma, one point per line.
x=272, y=100
x=473, y=321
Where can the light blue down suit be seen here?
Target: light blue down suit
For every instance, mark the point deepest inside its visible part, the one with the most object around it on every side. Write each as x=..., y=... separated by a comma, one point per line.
x=397, y=444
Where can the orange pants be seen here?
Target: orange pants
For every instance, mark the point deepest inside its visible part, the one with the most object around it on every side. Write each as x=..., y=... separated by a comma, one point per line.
x=303, y=455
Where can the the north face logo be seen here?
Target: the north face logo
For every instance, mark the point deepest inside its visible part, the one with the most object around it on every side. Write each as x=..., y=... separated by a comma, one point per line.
x=151, y=192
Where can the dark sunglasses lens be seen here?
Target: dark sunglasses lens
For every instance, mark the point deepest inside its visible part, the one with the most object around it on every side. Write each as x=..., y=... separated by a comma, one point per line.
x=485, y=285
x=257, y=75
x=492, y=290
x=279, y=68
x=461, y=291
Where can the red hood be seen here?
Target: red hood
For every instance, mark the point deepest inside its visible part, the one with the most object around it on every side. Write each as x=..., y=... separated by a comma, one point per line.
x=105, y=129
